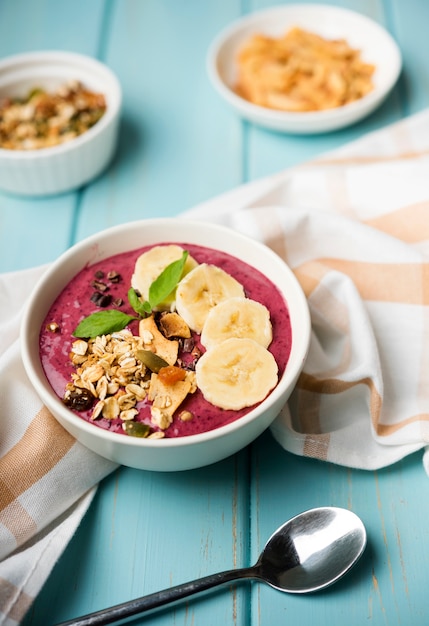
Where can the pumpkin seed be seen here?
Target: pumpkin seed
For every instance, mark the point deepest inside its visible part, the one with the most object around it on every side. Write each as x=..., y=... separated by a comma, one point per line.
x=151, y=360
x=136, y=429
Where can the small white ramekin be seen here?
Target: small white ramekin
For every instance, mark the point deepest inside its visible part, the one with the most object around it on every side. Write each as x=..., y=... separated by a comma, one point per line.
x=70, y=165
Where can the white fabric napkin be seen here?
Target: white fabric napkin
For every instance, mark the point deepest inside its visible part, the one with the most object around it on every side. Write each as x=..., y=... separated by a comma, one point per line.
x=354, y=226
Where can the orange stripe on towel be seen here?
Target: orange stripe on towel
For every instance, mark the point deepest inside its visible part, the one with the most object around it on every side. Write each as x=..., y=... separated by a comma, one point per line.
x=310, y=275
x=382, y=282
x=42, y=446
x=317, y=446
x=384, y=430
x=409, y=224
x=332, y=386
x=366, y=160
x=19, y=522
x=15, y=601
x=335, y=385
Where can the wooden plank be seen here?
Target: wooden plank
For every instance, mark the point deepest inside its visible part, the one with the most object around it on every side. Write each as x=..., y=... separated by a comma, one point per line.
x=408, y=23
x=34, y=232
x=179, y=145
x=385, y=587
x=50, y=25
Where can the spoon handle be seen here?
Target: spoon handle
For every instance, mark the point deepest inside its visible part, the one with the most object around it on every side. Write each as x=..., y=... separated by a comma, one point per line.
x=159, y=599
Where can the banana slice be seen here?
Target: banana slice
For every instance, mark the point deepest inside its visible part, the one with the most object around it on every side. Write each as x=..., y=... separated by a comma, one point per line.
x=236, y=373
x=149, y=266
x=237, y=317
x=201, y=290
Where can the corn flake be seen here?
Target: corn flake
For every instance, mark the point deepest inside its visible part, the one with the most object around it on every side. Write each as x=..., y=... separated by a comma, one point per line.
x=301, y=71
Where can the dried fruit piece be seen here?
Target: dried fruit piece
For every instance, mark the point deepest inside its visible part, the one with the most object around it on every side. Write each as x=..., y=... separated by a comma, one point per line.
x=167, y=398
x=171, y=374
x=154, y=340
x=172, y=325
x=78, y=399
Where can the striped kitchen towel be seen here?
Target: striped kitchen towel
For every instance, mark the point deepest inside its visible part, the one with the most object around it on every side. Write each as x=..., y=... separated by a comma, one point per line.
x=354, y=227
x=47, y=479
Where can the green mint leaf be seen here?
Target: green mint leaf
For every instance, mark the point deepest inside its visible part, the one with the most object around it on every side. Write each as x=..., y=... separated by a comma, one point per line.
x=102, y=323
x=162, y=286
x=141, y=308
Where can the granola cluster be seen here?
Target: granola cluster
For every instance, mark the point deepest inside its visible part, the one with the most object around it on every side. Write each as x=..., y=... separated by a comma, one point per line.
x=107, y=367
x=42, y=119
x=114, y=372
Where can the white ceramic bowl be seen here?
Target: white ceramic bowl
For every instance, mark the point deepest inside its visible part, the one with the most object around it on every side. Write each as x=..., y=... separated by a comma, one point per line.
x=70, y=165
x=376, y=46
x=183, y=452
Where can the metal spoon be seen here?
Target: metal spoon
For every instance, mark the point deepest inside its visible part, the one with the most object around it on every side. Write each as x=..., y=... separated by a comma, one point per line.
x=309, y=552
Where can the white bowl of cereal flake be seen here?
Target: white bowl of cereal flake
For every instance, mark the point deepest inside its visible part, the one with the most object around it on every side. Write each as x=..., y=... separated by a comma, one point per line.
x=59, y=119
x=259, y=66
x=149, y=395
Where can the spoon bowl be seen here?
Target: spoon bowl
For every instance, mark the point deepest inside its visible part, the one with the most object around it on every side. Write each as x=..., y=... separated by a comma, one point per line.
x=309, y=552
x=312, y=550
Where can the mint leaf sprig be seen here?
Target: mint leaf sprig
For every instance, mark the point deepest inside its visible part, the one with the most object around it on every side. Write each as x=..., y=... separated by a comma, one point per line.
x=106, y=322
x=137, y=305
x=166, y=282
x=102, y=323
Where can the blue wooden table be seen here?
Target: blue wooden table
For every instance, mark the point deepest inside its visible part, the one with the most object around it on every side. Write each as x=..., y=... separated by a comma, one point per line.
x=180, y=145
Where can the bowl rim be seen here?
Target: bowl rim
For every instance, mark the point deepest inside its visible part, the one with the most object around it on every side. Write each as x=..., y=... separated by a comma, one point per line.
x=112, y=111
x=175, y=442
x=276, y=116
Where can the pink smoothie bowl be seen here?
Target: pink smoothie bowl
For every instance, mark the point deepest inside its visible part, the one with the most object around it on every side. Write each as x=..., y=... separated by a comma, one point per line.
x=177, y=453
